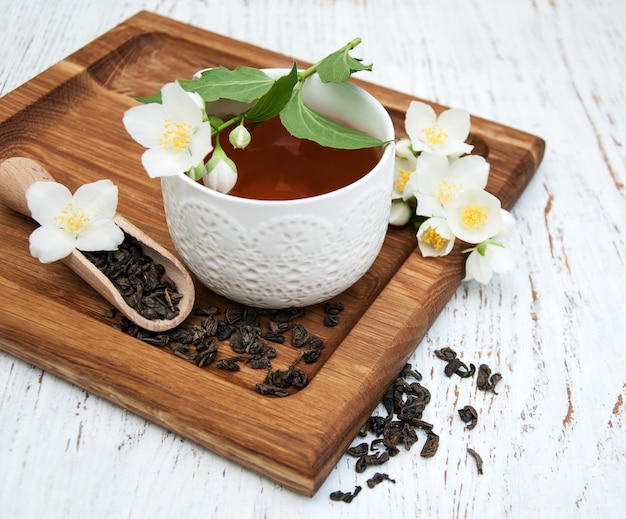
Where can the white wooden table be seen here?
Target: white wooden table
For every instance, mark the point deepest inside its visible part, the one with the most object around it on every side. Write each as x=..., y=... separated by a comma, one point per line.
x=553, y=441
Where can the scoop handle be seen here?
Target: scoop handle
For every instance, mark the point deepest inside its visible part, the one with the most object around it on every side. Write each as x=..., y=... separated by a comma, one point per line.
x=16, y=175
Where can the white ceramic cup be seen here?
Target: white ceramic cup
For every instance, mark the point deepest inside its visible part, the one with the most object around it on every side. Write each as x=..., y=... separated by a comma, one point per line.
x=284, y=253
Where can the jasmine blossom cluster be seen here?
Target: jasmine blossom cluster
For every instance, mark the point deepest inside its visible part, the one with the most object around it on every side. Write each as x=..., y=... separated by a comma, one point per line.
x=441, y=189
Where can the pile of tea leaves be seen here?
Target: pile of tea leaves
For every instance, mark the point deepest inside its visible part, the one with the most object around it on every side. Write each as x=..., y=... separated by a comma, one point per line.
x=143, y=283
x=405, y=402
x=249, y=334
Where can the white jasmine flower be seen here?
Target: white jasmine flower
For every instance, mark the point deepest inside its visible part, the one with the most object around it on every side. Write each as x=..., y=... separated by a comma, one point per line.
x=82, y=221
x=435, y=238
x=174, y=132
x=487, y=259
x=400, y=213
x=474, y=216
x=221, y=172
x=444, y=135
x=438, y=180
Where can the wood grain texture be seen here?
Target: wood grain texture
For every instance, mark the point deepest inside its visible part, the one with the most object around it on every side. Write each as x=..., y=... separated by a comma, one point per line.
x=553, y=440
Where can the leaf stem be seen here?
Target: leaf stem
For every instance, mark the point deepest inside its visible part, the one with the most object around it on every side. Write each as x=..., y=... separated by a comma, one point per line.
x=237, y=118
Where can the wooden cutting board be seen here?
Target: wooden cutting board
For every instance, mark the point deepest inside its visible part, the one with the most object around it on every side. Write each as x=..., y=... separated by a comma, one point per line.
x=69, y=118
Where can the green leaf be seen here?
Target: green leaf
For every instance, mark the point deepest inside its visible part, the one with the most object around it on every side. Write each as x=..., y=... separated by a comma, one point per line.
x=154, y=98
x=275, y=98
x=305, y=123
x=243, y=84
x=338, y=66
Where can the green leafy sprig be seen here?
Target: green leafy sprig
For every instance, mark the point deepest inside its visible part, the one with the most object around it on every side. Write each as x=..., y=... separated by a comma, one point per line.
x=282, y=96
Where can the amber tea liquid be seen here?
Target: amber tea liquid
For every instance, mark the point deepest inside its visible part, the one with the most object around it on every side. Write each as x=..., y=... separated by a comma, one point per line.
x=278, y=166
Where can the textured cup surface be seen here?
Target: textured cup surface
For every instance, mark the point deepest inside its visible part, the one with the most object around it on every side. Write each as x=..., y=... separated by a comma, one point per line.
x=278, y=254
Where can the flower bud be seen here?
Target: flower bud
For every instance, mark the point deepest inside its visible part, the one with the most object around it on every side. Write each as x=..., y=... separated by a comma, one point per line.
x=221, y=172
x=239, y=137
x=400, y=213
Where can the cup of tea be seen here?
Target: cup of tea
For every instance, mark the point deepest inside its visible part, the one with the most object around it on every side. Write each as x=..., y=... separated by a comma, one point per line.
x=304, y=222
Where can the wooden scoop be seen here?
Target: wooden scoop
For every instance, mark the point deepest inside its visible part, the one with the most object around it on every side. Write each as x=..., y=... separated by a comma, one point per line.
x=17, y=173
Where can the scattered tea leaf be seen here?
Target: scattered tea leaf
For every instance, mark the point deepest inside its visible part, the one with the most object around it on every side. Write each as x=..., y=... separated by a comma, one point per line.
x=469, y=415
x=265, y=389
x=477, y=458
x=379, y=478
x=346, y=497
x=331, y=320
x=370, y=460
x=446, y=354
x=430, y=447
x=229, y=364
x=359, y=450
x=299, y=335
x=334, y=307
x=485, y=380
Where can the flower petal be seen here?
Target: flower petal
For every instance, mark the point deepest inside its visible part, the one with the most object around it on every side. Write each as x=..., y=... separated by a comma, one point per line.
x=145, y=124
x=179, y=106
x=429, y=206
x=456, y=123
x=99, y=198
x=201, y=144
x=163, y=162
x=508, y=223
x=418, y=116
x=102, y=235
x=48, y=245
x=472, y=171
x=431, y=169
x=478, y=268
x=46, y=200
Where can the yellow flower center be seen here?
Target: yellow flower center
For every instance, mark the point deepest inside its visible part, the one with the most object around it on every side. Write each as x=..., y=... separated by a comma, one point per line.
x=434, y=239
x=402, y=179
x=73, y=220
x=434, y=135
x=176, y=135
x=446, y=191
x=474, y=216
